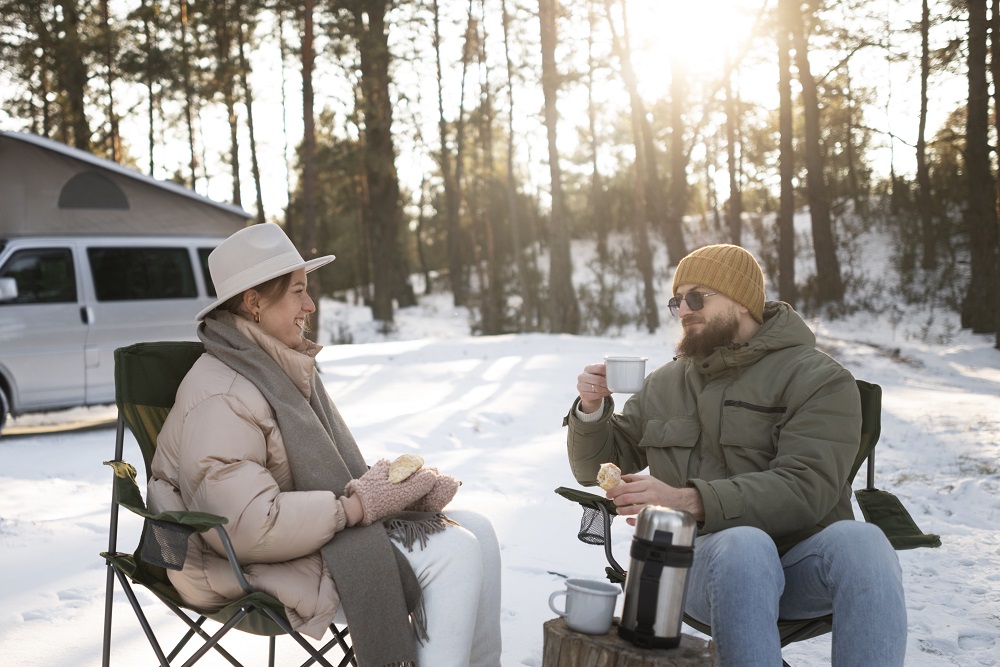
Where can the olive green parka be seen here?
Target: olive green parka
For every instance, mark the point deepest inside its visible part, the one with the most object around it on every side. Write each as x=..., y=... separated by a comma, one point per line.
x=766, y=431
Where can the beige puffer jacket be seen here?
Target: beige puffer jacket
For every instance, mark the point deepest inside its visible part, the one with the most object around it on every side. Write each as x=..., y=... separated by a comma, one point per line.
x=220, y=451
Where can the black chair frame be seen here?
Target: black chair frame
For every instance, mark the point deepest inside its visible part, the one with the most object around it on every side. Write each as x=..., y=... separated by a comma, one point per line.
x=256, y=613
x=878, y=507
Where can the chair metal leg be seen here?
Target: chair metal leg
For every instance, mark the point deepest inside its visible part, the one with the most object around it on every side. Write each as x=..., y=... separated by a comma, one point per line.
x=283, y=624
x=142, y=619
x=337, y=639
x=109, y=587
x=606, y=516
x=109, y=592
x=270, y=652
x=184, y=640
x=349, y=658
x=213, y=641
x=195, y=626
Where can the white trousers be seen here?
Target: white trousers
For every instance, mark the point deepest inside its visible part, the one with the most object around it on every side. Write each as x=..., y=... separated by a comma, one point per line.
x=459, y=572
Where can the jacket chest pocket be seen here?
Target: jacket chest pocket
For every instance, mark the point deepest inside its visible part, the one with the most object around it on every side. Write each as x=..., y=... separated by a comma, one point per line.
x=668, y=445
x=749, y=434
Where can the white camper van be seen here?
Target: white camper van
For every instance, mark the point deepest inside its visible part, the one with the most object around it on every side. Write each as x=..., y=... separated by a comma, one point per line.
x=67, y=303
x=93, y=256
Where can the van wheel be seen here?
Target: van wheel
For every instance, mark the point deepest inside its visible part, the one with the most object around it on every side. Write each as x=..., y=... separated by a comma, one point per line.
x=4, y=407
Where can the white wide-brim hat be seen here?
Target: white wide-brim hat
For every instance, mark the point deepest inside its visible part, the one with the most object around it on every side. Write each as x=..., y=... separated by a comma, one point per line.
x=252, y=256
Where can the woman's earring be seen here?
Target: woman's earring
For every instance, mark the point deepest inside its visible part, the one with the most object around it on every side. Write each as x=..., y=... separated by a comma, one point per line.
x=256, y=318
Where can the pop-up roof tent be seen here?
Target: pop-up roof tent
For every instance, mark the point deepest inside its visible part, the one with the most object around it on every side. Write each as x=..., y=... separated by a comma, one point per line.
x=48, y=189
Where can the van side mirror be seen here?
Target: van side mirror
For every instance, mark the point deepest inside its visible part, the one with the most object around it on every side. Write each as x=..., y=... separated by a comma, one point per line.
x=8, y=289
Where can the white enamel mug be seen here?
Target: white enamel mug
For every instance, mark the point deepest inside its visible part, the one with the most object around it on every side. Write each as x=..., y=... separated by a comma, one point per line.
x=590, y=605
x=624, y=374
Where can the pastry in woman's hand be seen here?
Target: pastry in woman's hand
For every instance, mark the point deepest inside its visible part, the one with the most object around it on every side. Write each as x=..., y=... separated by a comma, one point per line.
x=404, y=466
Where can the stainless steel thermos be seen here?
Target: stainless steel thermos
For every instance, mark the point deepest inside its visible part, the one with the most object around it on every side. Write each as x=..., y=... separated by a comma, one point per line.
x=656, y=584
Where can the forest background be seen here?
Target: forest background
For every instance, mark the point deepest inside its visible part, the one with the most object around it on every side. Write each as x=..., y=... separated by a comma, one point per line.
x=471, y=140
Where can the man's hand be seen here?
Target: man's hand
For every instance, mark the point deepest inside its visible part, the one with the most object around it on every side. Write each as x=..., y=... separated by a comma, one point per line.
x=641, y=490
x=593, y=387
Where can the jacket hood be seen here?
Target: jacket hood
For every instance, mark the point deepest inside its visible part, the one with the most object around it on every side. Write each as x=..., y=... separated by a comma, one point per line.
x=782, y=328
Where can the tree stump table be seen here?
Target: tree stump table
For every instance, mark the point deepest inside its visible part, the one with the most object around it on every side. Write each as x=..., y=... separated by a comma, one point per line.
x=564, y=647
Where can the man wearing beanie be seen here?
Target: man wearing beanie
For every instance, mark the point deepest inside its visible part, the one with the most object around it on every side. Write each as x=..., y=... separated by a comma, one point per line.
x=753, y=431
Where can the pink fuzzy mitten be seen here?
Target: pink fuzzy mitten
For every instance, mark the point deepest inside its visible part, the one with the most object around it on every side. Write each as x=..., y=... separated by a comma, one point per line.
x=381, y=498
x=445, y=488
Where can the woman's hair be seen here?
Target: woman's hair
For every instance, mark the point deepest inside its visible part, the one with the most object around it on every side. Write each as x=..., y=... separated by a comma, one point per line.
x=269, y=289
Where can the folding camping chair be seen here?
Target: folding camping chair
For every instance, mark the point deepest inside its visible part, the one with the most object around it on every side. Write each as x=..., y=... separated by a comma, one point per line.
x=146, y=379
x=878, y=507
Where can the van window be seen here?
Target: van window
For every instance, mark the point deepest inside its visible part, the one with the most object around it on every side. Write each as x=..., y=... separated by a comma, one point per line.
x=203, y=254
x=128, y=274
x=43, y=275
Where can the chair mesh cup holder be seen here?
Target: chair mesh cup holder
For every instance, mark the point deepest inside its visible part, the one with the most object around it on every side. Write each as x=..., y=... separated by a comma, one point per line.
x=591, y=526
x=165, y=544
x=595, y=525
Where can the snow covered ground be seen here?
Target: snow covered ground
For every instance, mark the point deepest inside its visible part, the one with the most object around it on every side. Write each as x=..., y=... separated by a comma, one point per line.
x=489, y=411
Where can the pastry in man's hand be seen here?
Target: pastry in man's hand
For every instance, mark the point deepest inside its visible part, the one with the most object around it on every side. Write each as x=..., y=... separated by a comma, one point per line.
x=609, y=476
x=404, y=466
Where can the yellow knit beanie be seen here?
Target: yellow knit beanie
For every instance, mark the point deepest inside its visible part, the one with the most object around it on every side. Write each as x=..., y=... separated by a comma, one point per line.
x=728, y=269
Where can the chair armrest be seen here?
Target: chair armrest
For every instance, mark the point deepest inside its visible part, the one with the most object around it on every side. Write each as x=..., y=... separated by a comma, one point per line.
x=588, y=499
x=234, y=562
x=886, y=511
x=165, y=537
x=126, y=494
x=165, y=540
x=197, y=521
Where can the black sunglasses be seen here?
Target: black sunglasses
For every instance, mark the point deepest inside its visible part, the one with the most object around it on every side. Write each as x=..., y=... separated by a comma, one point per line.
x=694, y=300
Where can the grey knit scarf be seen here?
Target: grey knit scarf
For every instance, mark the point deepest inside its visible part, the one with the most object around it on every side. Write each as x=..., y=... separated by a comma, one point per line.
x=378, y=589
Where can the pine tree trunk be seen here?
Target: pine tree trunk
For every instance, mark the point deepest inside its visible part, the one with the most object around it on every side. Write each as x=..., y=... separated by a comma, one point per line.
x=644, y=254
x=659, y=214
x=829, y=285
x=978, y=308
x=147, y=36
x=71, y=72
x=421, y=222
x=929, y=261
x=248, y=101
x=452, y=194
x=521, y=283
x=786, y=214
x=188, y=94
x=711, y=191
x=642, y=201
x=995, y=71
x=647, y=202
x=494, y=296
x=283, y=50
x=226, y=80
x=853, y=181
x=40, y=78
x=676, y=248
x=734, y=213
x=390, y=268
x=598, y=201
x=108, y=39
x=564, y=309
x=306, y=240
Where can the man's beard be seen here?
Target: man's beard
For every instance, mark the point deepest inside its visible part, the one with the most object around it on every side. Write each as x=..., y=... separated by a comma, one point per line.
x=720, y=331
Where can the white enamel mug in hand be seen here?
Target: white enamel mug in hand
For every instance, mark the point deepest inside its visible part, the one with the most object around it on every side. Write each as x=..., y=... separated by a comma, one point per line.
x=624, y=374
x=590, y=605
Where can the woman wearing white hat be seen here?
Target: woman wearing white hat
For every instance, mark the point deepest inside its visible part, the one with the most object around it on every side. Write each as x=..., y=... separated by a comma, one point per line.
x=253, y=436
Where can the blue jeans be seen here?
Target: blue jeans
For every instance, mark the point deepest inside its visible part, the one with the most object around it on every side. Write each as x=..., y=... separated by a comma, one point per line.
x=741, y=587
